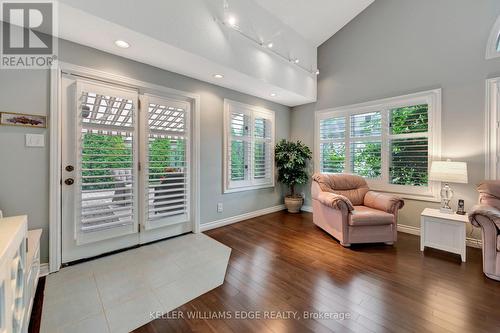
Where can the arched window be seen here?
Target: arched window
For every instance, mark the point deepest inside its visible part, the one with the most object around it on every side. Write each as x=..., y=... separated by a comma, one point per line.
x=493, y=48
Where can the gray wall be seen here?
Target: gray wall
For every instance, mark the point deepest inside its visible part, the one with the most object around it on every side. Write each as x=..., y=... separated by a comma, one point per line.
x=24, y=171
x=397, y=47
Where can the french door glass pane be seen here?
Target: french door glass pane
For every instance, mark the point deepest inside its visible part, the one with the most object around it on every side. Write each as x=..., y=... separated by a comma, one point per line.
x=366, y=124
x=409, y=161
x=332, y=157
x=167, y=171
x=366, y=158
x=167, y=176
x=106, y=111
x=106, y=161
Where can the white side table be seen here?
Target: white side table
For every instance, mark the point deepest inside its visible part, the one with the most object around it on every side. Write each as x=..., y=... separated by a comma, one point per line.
x=443, y=231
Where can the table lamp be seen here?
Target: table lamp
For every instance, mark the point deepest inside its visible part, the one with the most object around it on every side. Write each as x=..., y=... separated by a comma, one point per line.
x=448, y=172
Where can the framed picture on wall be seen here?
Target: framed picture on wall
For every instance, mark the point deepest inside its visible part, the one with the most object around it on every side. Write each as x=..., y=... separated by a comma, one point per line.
x=20, y=119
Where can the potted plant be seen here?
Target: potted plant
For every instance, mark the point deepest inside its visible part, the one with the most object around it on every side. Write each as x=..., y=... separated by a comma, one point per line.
x=291, y=158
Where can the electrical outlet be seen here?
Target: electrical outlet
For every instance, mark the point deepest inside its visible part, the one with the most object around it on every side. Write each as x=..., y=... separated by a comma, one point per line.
x=35, y=140
x=220, y=208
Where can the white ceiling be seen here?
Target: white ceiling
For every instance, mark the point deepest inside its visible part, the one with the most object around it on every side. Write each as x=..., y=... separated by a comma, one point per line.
x=315, y=20
x=187, y=37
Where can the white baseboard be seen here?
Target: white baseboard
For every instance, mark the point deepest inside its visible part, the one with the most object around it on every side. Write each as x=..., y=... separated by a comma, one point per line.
x=473, y=242
x=408, y=229
x=307, y=209
x=239, y=218
x=44, y=269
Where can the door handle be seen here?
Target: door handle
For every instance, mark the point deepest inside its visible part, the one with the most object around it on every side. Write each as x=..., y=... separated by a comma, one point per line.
x=69, y=181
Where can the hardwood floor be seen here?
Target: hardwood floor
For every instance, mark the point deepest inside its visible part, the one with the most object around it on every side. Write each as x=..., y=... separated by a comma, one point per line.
x=282, y=262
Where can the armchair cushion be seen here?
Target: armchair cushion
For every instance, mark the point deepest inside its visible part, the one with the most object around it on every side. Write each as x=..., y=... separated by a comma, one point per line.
x=366, y=216
x=335, y=201
x=489, y=193
x=350, y=186
x=384, y=202
x=490, y=212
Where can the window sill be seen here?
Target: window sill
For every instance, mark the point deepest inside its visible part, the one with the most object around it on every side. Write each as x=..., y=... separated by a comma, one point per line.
x=247, y=188
x=409, y=196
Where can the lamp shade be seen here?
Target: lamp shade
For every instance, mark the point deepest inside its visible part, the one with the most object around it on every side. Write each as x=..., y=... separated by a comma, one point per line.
x=448, y=171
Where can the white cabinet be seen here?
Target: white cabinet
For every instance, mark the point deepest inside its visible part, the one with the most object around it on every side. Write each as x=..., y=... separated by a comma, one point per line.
x=443, y=231
x=19, y=271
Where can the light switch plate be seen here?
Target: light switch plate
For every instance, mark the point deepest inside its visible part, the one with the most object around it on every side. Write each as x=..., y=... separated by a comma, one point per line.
x=35, y=140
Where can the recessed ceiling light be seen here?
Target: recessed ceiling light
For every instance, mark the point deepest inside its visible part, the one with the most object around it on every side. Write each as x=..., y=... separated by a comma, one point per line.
x=296, y=61
x=273, y=94
x=218, y=76
x=122, y=44
x=270, y=45
x=231, y=21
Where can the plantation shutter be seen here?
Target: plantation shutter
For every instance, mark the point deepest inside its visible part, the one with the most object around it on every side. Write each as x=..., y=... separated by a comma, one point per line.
x=239, y=147
x=409, y=145
x=366, y=144
x=263, y=149
x=106, y=156
x=166, y=173
x=332, y=145
x=249, y=146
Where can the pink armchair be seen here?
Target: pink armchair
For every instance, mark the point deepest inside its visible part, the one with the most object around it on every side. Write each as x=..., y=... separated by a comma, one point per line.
x=344, y=207
x=486, y=216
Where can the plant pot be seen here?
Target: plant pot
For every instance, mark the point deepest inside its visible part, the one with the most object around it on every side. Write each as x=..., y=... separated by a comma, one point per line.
x=293, y=204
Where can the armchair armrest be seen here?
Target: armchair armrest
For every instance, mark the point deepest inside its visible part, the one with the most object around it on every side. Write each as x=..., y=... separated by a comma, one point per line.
x=335, y=201
x=384, y=202
x=489, y=213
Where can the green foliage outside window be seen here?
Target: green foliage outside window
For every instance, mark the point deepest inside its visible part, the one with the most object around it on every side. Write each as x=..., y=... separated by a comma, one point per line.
x=166, y=154
x=114, y=152
x=410, y=119
x=366, y=160
x=409, y=157
x=95, y=149
x=238, y=160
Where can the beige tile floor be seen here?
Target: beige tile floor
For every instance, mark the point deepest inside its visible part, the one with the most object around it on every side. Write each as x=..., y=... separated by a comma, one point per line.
x=118, y=293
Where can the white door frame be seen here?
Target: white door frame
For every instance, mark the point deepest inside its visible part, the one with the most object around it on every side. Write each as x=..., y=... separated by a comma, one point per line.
x=492, y=123
x=55, y=151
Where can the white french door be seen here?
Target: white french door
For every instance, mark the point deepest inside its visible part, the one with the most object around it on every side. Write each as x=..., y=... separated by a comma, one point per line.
x=126, y=171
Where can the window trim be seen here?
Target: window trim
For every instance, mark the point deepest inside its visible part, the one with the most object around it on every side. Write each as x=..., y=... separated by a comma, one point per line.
x=251, y=184
x=432, y=98
x=493, y=40
x=492, y=128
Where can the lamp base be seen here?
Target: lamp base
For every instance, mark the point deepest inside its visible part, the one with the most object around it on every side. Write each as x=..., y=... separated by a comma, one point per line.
x=446, y=195
x=446, y=210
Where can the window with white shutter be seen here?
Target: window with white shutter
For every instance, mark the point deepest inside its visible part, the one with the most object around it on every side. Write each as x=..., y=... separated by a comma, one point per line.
x=248, y=147
x=390, y=142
